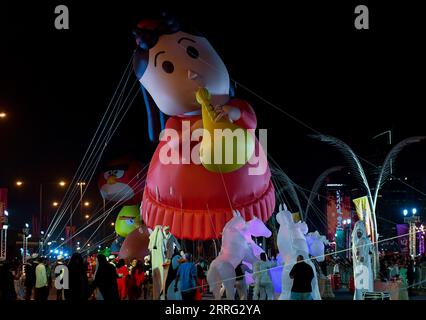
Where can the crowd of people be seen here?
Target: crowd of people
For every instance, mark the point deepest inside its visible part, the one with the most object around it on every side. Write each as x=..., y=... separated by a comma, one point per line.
x=99, y=278
x=110, y=278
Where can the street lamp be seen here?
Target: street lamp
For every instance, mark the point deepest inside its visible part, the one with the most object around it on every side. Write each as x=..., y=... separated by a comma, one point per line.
x=87, y=203
x=87, y=216
x=55, y=203
x=412, y=229
x=19, y=183
x=3, y=115
x=62, y=183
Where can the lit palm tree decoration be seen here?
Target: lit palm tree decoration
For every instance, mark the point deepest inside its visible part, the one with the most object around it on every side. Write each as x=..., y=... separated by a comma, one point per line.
x=317, y=185
x=358, y=171
x=386, y=169
x=283, y=183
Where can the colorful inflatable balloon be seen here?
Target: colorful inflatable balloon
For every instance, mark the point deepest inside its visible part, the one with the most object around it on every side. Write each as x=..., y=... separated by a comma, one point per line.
x=135, y=246
x=172, y=62
x=122, y=180
x=128, y=220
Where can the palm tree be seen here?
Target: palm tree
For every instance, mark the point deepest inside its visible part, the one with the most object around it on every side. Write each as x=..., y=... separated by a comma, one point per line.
x=358, y=171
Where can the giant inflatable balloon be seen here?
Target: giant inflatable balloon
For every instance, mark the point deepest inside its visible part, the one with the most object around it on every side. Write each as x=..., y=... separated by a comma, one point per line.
x=237, y=246
x=127, y=221
x=182, y=191
x=135, y=246
x=121, y=180
x=291, y=242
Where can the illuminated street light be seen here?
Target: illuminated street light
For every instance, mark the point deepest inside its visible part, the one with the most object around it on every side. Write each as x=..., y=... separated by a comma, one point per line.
x=414, y=211
x=19, y=183
x=62, y=183
x=55, y=203
x=27, y=225
x=42, y=232
x=6, y=213
x=405, y=212
x=112, y=224
x=87, y=203
x=62, y=239
x=3, y=115
x=87, y=216
x=81, y=183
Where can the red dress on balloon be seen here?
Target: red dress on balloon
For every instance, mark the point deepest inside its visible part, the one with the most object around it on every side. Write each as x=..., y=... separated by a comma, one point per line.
x=197, y=203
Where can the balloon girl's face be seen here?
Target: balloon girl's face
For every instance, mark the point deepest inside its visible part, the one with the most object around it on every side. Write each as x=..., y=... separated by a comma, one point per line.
x=179, y=64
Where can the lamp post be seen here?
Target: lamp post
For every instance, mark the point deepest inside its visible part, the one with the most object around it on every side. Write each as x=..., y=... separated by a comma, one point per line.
x=4, y=226
x=412, y=220
x=25, y=236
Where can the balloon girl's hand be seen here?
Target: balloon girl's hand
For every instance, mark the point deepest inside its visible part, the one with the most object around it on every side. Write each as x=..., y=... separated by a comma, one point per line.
x=203, y=96
x=232, y=113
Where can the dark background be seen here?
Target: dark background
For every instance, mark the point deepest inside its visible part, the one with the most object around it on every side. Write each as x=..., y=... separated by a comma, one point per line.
x=305, y=57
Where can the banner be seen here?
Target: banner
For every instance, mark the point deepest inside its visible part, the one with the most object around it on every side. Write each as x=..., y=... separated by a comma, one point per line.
x=338, y=210
x=3, y=206
x=69, y=232
x=363, y=210
x=403, y=242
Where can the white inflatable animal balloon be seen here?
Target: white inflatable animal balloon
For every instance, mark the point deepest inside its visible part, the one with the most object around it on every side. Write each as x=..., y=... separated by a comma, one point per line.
x=237, y=246
x=291, y=242
x=316, y=244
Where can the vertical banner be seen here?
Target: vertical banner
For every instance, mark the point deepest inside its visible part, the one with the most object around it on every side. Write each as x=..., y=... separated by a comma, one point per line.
x=403, y=242
x=363, y=210
x=69, y=232
x=3, y=206
x=338, y=209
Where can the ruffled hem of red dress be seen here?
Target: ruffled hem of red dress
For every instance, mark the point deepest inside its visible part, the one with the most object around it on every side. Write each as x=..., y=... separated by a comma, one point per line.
x=203, y=224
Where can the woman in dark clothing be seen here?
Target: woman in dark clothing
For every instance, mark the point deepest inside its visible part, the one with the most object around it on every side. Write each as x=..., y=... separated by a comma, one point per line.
x=137, y=277
x=106, y=279
x=7, y=287
x=78, y=283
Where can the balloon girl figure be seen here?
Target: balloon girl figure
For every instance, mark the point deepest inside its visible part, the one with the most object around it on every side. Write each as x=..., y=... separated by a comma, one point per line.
x=182, y=77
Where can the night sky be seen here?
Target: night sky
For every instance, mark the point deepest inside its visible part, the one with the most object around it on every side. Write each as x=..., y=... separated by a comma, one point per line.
x=305, y=58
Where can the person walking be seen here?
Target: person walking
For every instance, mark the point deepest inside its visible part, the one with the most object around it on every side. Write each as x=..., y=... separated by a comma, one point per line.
x=302, y=275
x=7, y=285
x=263, y=288
x=41, y=286
x=30, y=276
x=240, y=280
x=122, y=273
x=187, y=275
x=58, y=277
x=78, y=283
x=105, y=280
x=137, y=277
x=147, y=284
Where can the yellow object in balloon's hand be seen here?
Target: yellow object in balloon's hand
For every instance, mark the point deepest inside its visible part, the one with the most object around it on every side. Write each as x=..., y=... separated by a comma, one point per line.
x=225, y=147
